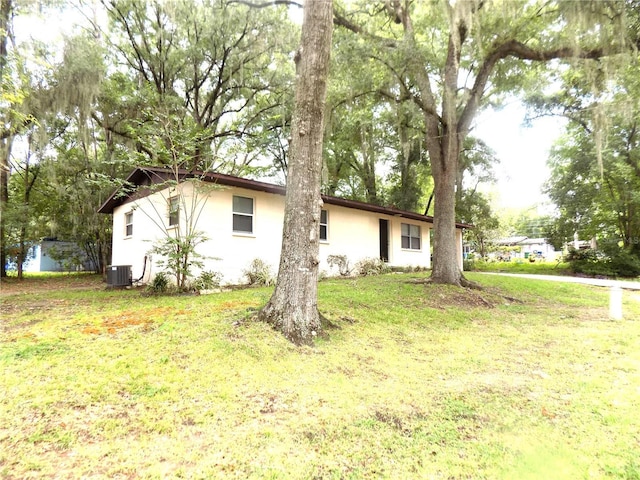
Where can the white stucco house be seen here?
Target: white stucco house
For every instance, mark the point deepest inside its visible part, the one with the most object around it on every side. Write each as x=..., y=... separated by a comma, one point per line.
x=242, y=220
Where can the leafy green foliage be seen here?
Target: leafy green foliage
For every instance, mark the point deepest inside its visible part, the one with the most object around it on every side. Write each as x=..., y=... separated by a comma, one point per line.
x=475, y=209
x=69, y=257
x=518, y=266
x=207, y=280
x=371, y=266
x=160, y=284
x=259, y=273
x=205, y=78
x=615, y=262
x=214, y=70
x=179, y=255
x=595, y=167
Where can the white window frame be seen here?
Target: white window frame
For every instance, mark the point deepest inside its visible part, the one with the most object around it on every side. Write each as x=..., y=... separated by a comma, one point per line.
x=128, y=224
x=325, y=225
x=411, y=237
x=243, y=214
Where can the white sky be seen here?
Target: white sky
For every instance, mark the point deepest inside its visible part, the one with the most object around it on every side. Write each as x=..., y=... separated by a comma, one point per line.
x=522, y=151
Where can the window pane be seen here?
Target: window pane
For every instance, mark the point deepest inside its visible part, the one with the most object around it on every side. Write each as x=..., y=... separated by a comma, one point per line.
x=323, y=232
x=323, y=216
x=174, y=211
x=243, y=223
x=243, y=205
x=129, y=230
x=410, y=235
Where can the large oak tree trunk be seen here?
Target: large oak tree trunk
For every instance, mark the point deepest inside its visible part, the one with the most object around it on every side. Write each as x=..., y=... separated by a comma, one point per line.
x=445, y=159
x=293, y=307
x=445, y=245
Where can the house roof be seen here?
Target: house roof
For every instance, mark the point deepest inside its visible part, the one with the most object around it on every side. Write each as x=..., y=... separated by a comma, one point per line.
x=520, y=240
x=534, y=241
x=511, y=240
x=142, y=176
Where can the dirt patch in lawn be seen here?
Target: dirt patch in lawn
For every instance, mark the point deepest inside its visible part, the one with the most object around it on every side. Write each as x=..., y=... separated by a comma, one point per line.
x=448, y=296
x=132, y=318
x=41, y=284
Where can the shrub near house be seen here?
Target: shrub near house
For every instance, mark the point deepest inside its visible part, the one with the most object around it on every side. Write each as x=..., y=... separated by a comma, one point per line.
x=615, y=262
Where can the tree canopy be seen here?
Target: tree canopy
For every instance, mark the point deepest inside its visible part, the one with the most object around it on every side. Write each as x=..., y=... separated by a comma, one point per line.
x=595, y=168
x=214, y=80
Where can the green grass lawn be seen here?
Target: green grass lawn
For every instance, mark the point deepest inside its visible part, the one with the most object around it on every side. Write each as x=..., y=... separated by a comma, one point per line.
x=523, y=380
x=521, y=266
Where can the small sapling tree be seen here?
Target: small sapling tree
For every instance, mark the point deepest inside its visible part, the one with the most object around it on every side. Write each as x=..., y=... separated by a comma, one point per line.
x=178, y=200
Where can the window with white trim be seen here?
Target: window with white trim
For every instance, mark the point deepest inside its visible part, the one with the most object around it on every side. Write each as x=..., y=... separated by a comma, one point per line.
x=128, y=224
x=242, y=214
x=174, y=211
x=410, y=236
x=324, y=225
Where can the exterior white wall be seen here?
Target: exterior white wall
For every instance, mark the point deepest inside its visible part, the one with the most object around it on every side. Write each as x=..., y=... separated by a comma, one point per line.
x=539, y=245
x=227, y=252
x=460, y=251
x=356, y=234
x=351, y=232
x=235, y=251
x=402, y=257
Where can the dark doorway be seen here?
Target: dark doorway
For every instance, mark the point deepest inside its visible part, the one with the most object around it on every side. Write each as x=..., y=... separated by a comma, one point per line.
x=384, y=240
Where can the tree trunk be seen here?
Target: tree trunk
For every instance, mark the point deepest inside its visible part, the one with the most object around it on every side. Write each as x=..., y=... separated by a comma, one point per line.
x=5, y=151
x=6, y=8
x=445, y=245
x=293, y=307
x=444, y=166
x=22, y=253
x=369, y=180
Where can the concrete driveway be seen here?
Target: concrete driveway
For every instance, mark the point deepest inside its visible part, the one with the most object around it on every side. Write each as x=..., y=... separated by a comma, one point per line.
x=587, y=281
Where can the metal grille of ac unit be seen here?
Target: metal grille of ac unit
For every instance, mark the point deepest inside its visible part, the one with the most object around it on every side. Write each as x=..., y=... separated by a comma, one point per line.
x=119, y=275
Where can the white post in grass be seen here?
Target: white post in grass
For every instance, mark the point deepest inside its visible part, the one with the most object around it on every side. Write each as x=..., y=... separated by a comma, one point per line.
x=615, y=303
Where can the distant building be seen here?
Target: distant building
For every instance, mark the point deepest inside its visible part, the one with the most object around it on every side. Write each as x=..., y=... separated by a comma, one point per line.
x=527, y=248
x=52, y=255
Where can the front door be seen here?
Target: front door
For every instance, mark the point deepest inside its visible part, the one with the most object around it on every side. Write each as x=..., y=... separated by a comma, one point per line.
x=384, y=240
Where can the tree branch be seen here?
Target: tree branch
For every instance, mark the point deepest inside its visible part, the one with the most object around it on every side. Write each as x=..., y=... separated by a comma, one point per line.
x=289, y=3
x=15, y=129
x=122, y=134
x=516, y=49
x=342, y=21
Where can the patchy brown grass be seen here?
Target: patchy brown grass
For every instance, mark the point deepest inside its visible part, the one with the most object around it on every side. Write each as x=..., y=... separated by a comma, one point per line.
x=520, y=380
x=41, y=283
x=145, y=317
